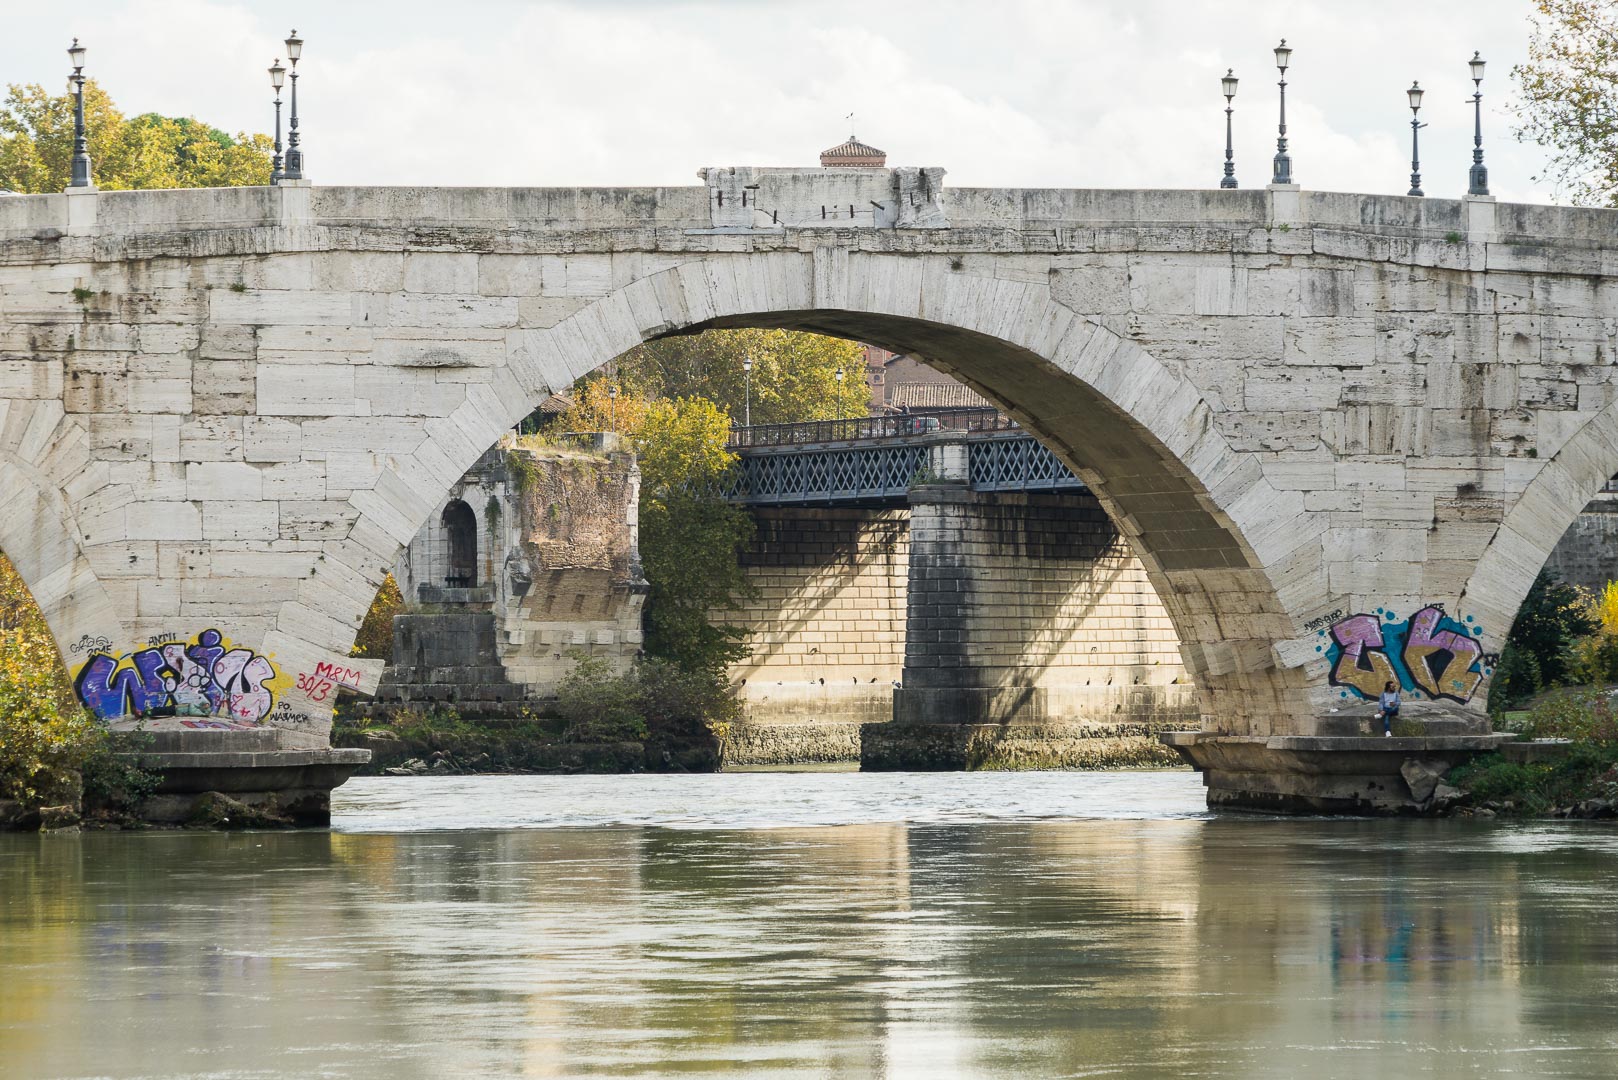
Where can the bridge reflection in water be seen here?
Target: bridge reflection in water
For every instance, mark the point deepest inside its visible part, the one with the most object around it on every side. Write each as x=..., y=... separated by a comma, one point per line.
x=1158, y=946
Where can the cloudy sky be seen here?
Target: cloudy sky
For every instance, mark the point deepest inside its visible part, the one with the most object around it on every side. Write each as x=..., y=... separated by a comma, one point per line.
x=1061, y=93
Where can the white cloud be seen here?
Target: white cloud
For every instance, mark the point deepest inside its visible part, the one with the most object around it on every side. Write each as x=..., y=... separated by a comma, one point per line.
x=1102, y=93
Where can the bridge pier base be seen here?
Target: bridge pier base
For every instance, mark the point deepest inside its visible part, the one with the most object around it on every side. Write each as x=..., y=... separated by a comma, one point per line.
x=1341, y=774
x=1032, y=640
x=290, y=786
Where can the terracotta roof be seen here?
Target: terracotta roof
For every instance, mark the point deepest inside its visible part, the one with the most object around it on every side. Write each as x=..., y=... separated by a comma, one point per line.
x=555, y=405
x=934, y=396
x=853, y=154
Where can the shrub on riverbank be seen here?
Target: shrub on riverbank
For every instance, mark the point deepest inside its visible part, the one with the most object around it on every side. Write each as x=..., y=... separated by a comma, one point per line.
x=1585, y=777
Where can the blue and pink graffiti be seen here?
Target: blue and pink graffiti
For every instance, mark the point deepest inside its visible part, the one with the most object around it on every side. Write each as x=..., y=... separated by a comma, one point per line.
x=203, y=677
x=1430, y=653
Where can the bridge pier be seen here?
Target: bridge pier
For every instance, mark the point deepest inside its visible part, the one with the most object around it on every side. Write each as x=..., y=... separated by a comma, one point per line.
x=1033, y=639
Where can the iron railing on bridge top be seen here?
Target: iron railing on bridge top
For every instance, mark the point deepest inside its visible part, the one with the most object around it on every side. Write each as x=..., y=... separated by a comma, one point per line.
x=861, y=429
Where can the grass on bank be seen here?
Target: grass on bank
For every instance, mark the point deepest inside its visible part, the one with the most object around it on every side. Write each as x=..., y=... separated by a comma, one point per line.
x=1585, y=716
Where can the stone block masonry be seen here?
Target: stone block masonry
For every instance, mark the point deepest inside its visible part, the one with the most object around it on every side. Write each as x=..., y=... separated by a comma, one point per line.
x=1587, y=554
x=827, y=622
x=986, y=609
x=1341, y=432
x=531, y=562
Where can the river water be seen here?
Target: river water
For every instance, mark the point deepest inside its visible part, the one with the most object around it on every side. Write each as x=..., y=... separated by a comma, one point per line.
x=812, y=924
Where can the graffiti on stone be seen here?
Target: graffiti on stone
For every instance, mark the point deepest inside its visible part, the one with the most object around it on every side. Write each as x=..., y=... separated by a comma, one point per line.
x=87, y=644
x=202, y=677
x=1430, y=654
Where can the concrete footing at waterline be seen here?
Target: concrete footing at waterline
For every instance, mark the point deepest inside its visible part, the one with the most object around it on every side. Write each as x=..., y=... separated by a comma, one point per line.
x=1343, y=774
x=203, y=785
x=225, y=778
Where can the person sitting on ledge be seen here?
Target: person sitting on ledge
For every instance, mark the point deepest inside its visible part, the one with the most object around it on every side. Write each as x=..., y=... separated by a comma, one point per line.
x=1389, y=702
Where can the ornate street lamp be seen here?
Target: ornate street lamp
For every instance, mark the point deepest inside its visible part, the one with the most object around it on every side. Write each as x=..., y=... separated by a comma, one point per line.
x=1283, y=161
x=81, y=142
x=840, y=391
x=1228, y=86
x=747, y=381
x=294, y=167
x=1479, y=176
x=612, y=406
x=1415, y=93
x=278, y=75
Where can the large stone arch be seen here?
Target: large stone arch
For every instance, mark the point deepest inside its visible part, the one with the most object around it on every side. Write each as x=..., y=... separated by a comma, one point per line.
x=40, y=451
x=1202, y=517
x=1522, y=542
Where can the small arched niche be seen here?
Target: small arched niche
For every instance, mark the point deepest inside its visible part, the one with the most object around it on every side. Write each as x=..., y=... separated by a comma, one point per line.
x=461, y=542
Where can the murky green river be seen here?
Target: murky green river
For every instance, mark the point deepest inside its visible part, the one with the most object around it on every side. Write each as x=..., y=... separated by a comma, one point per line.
x=812, y=924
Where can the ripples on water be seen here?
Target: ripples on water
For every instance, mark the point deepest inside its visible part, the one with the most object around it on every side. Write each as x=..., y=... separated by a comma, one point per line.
x=827, y=925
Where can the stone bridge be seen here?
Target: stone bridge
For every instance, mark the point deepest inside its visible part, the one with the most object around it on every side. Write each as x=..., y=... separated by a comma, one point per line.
x=1341, y=432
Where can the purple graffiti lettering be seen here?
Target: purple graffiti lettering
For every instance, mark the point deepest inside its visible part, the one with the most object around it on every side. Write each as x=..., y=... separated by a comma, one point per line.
x=1456, y=680
x=110, y=690
x=241, y=676
x=1363, y=667
x=201, y=678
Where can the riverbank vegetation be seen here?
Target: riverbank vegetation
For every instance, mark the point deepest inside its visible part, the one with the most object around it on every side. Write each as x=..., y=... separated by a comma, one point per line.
x=56, y=761
x=1557, y=680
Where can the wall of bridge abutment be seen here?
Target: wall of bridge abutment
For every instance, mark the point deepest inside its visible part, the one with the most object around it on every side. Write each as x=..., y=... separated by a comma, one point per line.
x=962, y=630
x=1341, y=432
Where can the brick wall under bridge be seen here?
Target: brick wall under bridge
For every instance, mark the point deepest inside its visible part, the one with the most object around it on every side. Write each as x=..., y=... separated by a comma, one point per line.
x=996, y=629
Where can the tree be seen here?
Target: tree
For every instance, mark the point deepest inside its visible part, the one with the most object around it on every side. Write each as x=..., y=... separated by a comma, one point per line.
x=690, y=538
x=596, y=409
x=1551, y=618
x=146, y=151
x=1570, y=96
x=794, y=374
x=375, y=638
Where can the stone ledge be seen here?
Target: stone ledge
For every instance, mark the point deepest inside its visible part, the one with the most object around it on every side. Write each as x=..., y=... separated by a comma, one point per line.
x=1298, y=774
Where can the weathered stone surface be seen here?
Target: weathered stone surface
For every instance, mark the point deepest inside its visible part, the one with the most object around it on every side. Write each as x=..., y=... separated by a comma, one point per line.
x=1197, y=364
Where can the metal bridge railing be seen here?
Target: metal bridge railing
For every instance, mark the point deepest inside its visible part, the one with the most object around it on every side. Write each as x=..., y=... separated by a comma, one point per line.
x=858, y=474
x=1017, y=465
x=886, y=471
x=861, y=429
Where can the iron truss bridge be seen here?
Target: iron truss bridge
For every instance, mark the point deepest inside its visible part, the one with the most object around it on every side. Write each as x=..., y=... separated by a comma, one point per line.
x=883, y=470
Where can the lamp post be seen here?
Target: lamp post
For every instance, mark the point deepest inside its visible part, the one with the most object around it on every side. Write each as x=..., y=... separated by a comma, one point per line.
x=1283, y=161
x=81, y=142
x=612, y=406
x=840, y=391
x=747, y=382
x=294, y=164
x=1415, y=93
x=278, y=75
x=1228, y=86
x=1479, y=176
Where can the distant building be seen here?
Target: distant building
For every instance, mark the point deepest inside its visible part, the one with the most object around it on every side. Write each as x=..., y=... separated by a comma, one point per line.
x=903, y=384
x=853, y=154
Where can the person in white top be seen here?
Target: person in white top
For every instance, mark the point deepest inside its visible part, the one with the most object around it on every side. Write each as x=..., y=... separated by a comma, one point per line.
x=1388, y=707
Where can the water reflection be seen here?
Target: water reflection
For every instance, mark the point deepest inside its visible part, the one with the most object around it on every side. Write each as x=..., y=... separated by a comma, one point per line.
x=1148, y=947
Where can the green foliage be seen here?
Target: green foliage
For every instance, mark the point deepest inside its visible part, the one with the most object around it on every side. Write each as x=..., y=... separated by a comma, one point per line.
x=1567, y=87
x=113, y=777
x=146, y=151
x=375, y=638
x=1588, y=771
x=690, y=538
x=1582, y=715
x=653, y=699
x=1551, y=618
x=1516, y=679
x=50, y=747
x=599, y=704
x=43, y=739
x=794, y=374
x=681, y=703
